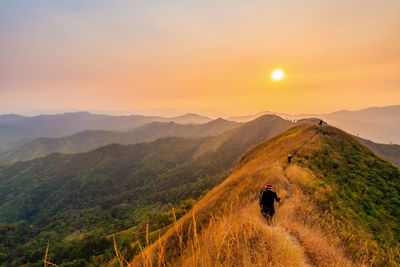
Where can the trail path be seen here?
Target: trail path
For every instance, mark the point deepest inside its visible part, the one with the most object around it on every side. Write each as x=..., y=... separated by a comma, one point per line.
x=293, y=238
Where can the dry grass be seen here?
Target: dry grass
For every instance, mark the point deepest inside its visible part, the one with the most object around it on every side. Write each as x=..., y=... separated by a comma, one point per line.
x=225, y=228
x=300, y=218
x=239, y=239
x=46, y=261
x=242, y=239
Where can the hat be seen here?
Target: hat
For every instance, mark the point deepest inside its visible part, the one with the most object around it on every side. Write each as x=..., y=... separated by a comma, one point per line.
x=268, y=186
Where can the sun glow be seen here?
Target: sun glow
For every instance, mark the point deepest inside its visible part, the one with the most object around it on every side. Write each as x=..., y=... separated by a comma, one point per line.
x=277, y=75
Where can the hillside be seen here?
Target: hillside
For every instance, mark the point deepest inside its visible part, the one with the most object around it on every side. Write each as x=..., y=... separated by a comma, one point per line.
x=340, y=207
x=77, y=200
x=89, y=140
x=389, y=152
x=16, y=127
x=10, y=133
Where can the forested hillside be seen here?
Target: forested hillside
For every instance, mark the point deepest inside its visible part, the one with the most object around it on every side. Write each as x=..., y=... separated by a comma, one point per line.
x=89, y=140
x=76, y=201
x=390, y=152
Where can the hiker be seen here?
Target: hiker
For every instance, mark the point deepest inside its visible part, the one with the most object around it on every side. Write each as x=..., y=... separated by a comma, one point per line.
x=289, y=158
x=266, y=201
x=320, y=122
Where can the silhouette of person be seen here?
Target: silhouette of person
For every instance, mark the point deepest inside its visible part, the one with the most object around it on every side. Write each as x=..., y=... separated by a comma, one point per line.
x=266, y=201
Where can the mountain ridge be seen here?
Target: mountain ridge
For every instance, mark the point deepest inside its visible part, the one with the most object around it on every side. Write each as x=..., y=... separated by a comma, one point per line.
x=315, y=224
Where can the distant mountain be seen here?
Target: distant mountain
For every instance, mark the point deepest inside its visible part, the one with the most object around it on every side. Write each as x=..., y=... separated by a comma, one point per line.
x=190, y=118
x=10, y=118
x=76, y=200
x=15, y=127
x=246, y=118
x=89, y=140
x=379, y=124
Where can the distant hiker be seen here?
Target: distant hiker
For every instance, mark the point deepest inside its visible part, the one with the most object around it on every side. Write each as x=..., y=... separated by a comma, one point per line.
x=289, y=158
x=320, y=122
x=266, y=201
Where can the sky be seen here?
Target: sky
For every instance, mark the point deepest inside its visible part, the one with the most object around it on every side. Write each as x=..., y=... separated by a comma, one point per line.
x=211, y=57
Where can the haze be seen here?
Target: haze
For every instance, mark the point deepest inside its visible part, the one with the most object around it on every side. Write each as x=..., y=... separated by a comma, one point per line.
x=199, y=55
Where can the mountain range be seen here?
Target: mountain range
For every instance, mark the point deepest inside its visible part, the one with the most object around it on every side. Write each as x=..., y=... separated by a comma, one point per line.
x=76, y=200
x=76, y=190
x=89, y=140
x=16, y=129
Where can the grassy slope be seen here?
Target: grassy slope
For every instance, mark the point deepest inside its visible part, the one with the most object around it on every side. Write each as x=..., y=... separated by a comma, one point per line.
x=326, y=217
x=389, y=152
x=363, y=188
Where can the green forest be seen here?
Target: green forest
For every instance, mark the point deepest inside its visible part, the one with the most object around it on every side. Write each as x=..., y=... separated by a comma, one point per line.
x=76, y=201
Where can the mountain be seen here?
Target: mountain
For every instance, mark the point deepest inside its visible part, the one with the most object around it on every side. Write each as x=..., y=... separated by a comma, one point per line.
x=388, y=152
x=9, y=133
x=89, y=140
x=246, y=118
x=340, y=207
x=190, y=118
x=379, y=124
x=76, y=201
x=10, y=118
x=69, y=123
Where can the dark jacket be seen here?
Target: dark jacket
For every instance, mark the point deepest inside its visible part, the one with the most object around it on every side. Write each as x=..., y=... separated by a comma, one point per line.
x=267, y=198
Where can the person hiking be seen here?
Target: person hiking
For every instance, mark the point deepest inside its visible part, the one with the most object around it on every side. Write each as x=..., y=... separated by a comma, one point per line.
x=266, y=201
x=321, y=122
x=289, y=158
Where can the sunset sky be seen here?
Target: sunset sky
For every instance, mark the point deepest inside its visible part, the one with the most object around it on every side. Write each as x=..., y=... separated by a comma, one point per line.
x=213, y=57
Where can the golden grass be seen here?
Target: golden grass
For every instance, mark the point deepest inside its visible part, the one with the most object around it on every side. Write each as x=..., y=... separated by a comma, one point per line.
x=300, y=218
x=46, y=261
x=121, y=259
x=241, y=239
x=225, y=228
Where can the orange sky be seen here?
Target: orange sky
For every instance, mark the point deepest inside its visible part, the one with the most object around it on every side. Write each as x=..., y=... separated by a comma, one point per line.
x=213, y=57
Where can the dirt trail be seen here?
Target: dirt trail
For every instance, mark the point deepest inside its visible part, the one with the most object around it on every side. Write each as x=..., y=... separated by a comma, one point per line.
x=292, y=237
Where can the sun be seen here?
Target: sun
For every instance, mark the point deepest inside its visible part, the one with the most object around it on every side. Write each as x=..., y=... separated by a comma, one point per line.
x=277, y=75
